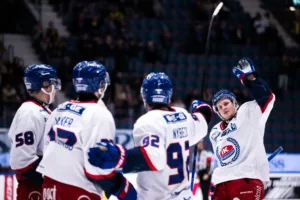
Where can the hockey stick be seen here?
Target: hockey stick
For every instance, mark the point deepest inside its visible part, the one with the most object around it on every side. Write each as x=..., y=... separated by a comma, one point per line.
x=275, y=153
x=215, y=13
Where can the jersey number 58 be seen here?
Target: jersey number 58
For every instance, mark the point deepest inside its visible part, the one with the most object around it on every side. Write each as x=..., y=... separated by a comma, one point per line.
x=24, y=138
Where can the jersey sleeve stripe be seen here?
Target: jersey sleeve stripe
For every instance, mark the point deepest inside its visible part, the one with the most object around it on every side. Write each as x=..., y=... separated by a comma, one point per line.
x=147, y=159
x=99, y=177
x=271, y=97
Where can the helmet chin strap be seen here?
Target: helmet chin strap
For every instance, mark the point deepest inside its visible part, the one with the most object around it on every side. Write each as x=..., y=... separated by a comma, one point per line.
x=51, y=94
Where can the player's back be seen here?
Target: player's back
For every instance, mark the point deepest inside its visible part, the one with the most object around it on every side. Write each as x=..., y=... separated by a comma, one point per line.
x=72, y=128
x=170, y=133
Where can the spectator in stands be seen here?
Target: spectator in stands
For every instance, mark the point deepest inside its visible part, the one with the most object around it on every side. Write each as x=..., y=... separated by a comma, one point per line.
x=207, y=95
x=86, y=47
x=10, y=95
x=151, y=53
x=158, y=9
x=166, y=42
x=52, y=32
x=121, y=57
x=283, y=74
x=198, y=11
x=3, y=53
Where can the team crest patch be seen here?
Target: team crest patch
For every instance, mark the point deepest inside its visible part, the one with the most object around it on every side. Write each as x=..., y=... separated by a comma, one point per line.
x=229, y=153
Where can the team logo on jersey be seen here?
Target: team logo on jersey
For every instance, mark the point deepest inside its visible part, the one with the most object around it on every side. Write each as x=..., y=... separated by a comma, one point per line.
x=229, y=153
x=84, y=197
x=49, y=193
x=69, y=107
x=176, y=117
x=230, y=128
x=35, y=195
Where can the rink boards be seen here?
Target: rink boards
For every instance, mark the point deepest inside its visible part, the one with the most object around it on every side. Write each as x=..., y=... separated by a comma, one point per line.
x=282, y=186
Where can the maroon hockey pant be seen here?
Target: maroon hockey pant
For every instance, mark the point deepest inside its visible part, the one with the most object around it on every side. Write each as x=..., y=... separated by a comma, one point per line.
x=240, y=189
x=29, y=191
x=53, y=189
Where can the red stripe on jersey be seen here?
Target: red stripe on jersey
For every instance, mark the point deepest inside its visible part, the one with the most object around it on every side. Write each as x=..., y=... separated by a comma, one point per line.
x=99, y=177
x=27, y=168
x=147, y=159
x=75, y=101
x=267, y=103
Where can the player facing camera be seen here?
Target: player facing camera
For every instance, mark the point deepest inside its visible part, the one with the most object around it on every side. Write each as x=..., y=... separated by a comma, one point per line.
x=225, y=104
x=41, y=82
x=90, y=80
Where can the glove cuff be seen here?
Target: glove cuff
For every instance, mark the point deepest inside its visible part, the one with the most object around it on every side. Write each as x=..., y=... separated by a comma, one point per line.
x=205, y=110
x=122, y=156
x=126, y=191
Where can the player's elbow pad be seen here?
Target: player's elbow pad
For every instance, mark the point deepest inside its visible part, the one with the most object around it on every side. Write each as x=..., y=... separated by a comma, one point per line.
x=138, y=160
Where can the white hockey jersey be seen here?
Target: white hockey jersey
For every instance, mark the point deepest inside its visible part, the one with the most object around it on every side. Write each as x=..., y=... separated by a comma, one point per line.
x=166, y=137
x=71, y=130
x=239, y=148
x=26, y=134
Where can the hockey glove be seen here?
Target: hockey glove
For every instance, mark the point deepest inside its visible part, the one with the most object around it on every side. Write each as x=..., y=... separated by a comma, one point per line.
x=126, y=191
x=107, y=155
x=244, y=68
x=203, y=108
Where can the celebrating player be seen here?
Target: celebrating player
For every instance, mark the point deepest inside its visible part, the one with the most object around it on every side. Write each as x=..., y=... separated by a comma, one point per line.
x=238, y=139
x=72, y=128
x=163, y=137
x=27, y=129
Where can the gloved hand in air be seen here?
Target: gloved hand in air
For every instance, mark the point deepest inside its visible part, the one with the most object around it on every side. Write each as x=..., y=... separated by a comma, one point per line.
x=244, y=68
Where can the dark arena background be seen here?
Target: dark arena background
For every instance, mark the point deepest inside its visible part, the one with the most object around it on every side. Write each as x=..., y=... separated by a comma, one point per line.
x=135, y=37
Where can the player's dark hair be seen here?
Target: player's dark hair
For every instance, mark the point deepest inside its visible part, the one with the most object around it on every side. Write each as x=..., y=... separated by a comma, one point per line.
x=157, y=106
x=86, y=97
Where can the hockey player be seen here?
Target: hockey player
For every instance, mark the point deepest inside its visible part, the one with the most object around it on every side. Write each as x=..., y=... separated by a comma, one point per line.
x=162, y=137
x=238, y=139
x=27, y=129
x=71, y=129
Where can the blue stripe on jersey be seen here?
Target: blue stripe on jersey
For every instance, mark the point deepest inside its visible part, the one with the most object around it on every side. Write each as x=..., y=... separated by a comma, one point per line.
x=260, y=91
x=69, y=107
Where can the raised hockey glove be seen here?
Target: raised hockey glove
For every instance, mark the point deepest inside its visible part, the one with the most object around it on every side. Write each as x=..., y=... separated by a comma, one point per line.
x=203, y=108
x=244, y=68
x=107, y=155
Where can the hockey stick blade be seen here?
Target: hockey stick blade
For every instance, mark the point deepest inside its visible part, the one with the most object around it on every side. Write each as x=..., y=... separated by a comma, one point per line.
x=275, y=153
